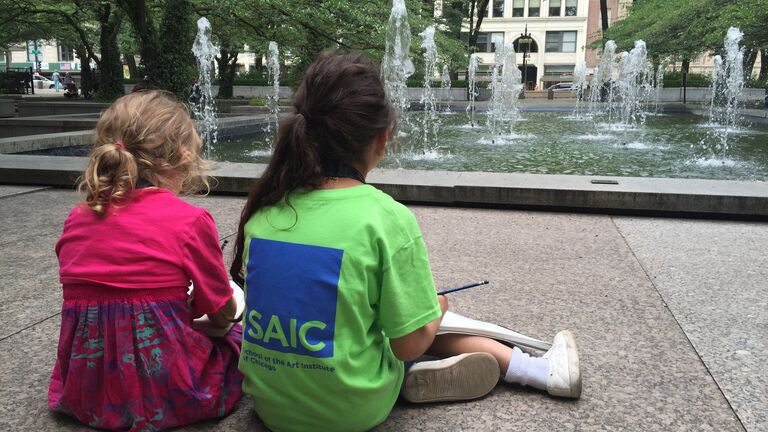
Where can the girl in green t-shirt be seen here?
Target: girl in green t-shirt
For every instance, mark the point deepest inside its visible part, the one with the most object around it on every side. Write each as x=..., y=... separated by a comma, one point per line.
x=339, y=291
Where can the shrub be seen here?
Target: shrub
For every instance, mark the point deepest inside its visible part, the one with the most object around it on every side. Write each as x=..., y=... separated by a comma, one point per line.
x=258, y=101
x=756, y=83
x=675, y=79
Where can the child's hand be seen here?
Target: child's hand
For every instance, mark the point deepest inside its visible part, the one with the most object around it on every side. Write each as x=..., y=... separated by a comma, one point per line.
x=443, y=300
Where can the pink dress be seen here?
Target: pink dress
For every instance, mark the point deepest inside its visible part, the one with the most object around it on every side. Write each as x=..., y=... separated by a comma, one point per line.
x=128, y=357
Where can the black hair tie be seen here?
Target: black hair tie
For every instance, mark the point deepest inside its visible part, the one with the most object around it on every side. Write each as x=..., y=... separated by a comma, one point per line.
x=307, y=117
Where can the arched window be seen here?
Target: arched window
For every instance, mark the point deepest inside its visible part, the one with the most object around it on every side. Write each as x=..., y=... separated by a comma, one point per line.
x=520, y=47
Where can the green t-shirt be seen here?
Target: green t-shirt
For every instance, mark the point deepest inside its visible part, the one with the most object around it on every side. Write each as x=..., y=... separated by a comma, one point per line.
x=327, y=283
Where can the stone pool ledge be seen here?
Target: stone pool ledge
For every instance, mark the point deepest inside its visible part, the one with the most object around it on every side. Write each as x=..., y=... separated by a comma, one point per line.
x=628, y=195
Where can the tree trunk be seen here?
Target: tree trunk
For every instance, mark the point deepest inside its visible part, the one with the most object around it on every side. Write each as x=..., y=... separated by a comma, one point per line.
x=177, y=34
x=481, y=8
x=111, y=68
x=87, y=80
x=227, y=64
x=763, y=66
x=144, y=29
x=133, y=70
x=604, y=14
x=750, y=58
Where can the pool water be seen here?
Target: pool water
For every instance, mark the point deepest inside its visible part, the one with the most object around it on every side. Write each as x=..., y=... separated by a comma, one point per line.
x=679, y=145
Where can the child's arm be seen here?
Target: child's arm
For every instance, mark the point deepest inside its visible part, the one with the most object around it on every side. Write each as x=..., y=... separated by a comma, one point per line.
x=224, y=316
x=416, y=343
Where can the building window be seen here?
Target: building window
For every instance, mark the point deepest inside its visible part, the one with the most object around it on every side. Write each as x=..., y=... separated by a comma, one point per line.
x=554, y=8
x=562, y=70
x=534, y=8
x=66, y=53
x=498, y=8
x=2, y=56
x=571, y=7
x=518, y=8
x=487, y=42
x=560, y=41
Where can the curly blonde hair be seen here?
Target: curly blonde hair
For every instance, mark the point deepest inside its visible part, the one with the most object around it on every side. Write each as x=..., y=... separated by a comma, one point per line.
x=145, y=135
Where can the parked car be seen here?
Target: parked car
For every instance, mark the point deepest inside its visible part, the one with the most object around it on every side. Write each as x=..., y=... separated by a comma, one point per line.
x=561, y=87
x=41, y=79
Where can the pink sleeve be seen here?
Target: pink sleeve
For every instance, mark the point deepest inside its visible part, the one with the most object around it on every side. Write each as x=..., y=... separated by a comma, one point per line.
x=204, y=264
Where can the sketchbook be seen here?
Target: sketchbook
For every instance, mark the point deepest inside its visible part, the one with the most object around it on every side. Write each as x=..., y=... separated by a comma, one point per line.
x=455, y=323
x=204, y=323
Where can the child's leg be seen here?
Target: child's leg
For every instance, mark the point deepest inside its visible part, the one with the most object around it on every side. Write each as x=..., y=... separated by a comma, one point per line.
x=447, y=345
x=557, y=372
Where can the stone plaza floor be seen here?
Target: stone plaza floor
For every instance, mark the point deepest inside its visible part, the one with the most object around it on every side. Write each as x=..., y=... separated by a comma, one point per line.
x=671, y=315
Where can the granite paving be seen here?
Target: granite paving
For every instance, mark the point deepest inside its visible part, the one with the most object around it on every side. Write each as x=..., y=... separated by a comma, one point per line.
x=669, y=315
x=714, y=277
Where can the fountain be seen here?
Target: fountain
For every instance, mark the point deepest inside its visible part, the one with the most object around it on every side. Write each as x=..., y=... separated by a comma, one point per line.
x=273, y=100
x=579, y=83
x=506, y=85
x=396, y=65
x=445, y=89
x=202, y=102
x=600, y=88
x=726, y=88
x=472, y=91
x=632, y=85
x=430, y=123
x=629, y=143
x=658, y=89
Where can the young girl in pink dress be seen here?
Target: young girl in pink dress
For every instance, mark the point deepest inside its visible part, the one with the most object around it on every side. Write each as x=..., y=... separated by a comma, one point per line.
x=128, y=356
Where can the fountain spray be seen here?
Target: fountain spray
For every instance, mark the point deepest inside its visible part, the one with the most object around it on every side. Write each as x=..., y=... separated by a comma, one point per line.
x=472, y=88
x=507, y=86
x=726, y=88
x=445, y=89
x=430, y=122
x=273, y=100
x=203, y=104
x=397, y=66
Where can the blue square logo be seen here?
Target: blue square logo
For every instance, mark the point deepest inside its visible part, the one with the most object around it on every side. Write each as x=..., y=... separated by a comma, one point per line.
x=291, y=297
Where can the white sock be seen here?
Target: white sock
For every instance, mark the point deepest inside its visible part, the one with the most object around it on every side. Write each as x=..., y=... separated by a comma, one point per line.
x=526, y=370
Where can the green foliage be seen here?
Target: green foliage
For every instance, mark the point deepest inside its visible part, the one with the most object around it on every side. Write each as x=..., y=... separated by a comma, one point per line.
x=177, y=63
x=683, y=29
x=675, y=79
x=756, y=83
x=257, y=101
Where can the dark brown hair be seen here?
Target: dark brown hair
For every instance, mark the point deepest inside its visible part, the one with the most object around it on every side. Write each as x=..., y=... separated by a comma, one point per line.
x=340, y=107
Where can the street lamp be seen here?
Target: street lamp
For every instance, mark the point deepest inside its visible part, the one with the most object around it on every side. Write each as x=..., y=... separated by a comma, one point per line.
x=525, y=41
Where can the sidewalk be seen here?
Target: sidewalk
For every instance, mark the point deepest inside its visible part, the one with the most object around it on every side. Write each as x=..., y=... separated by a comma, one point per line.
x=670, y=315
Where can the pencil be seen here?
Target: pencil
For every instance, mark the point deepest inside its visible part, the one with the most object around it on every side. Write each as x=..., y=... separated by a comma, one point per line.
x=463, y=287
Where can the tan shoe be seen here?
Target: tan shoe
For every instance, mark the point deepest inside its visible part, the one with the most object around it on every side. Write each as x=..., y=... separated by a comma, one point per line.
x=564, y=369
x=461, y=377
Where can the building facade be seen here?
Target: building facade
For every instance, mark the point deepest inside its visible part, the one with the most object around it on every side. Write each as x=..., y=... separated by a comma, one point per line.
x=558, y=33
x=49, y=55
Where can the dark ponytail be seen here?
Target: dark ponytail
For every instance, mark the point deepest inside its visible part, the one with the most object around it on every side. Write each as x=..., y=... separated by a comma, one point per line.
x=340, y=107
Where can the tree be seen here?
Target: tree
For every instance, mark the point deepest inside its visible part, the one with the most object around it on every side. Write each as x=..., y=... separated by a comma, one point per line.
x=74, y=22
x=604, y=14
x=683, y=29
x=176, y=61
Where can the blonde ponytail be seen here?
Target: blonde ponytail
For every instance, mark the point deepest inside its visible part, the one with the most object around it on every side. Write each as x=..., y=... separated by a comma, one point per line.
x=110, y=176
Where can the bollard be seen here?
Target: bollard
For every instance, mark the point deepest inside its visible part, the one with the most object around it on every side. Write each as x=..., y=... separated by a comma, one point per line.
x=550, y=94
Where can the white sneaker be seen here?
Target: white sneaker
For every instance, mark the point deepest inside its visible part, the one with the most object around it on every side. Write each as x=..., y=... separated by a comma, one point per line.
x=461, y=377
x=564, y=370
